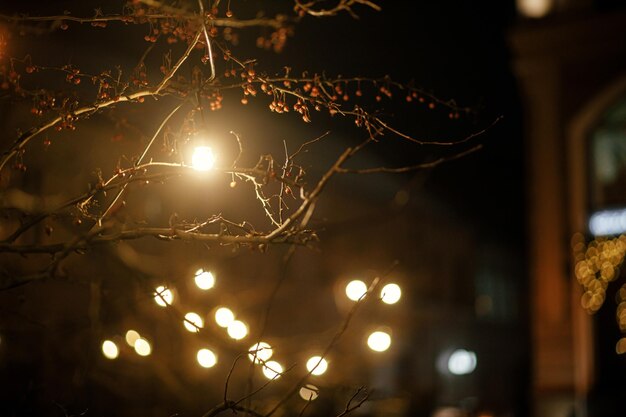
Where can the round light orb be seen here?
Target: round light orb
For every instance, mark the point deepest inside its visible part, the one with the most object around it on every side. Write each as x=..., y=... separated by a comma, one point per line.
x=110, y=350
x=131, y=337
x=316, y=365
x=534, y=8
x=204, y=279
x=237, y=330
x=379, y=341
x=163, y=296
x=142, y=347
x=224, y=316
x=356, y=289
x=462, y=362
x=272, y=370
x=206, y=358
x=203, y=158
x=309, y=392
x=193, y=322
x=260, y=352
x=391, y=293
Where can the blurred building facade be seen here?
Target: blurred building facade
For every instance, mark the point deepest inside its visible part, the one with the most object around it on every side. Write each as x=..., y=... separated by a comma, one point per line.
x=570, y=60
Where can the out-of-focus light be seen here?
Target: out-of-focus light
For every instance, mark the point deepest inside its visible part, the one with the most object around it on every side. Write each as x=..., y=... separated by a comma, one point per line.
x=204, y=279
x=379, y=341
x=620, y=347
x=193, y=322
x=534, y=8
x=237, y=330
x=260, y=352
x=206, y=358
x=462, y=362
x=163, y=296
x=224, y=316
x=356, y=289
x=391, y=293
x=142, y=347
x=608, y=222
x=203, y=158
x=110, y=350
x=316, y=365
x=309, y=392
x=272, y=370
x=131, y=337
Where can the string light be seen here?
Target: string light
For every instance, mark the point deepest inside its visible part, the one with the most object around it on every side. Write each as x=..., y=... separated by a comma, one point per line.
x=163, y=296
x=224, y=316
x=309, y=392
x=204, y=279
x=142, y=347
x=260, y=352
x=206, y=358
x=356, y=289
x=462, y=362
x=391, y=293
x=110, y=350
x=237, y=330
x=272, y=370
x=193, y=322
x=316, y=365
x=131, y=337
x=379, y=341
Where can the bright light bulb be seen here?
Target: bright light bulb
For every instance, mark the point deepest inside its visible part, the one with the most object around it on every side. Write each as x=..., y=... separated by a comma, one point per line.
x=193, y=322
x=309, y=392
x=272, y=370
x=224, y=316
x=237, y=330
x=131, y=337
x=204, y=279
x=462, y=362
x=203, y=158
x=391, y=293
x=316, y=365
x=206, y=358
x=142, y=347
x=379, y=341
x=534, y=8
x=109, y=349
x=356, y=289
x=260, y=352
x=163, y=296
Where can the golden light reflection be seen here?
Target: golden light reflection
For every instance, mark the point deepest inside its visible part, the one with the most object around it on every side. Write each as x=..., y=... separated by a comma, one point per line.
x=204, y=279
x=272, y=370
x=260, y=352
x=224, y=316
x=142, y=347
x=356, y=289
x=203, y=158
x=110, y=350
x=534, y=8
x=237, y=330
x=163, y=296
x=131, y=337
x=193, y=322
x=309, y=392
x=379, y=341
x=391, y=293
x=206, y=358
x=316, y=365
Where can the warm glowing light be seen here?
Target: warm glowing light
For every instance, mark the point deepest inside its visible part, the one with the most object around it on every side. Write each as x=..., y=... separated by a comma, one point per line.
x=534, y=8
x=356, y=289
x=272, y=370
x=163, y=296
x=462, y=362
x=110, y=350
x=237, y=330
x=131, y=337
x=224, y=317
x=193, y=322
x=142, y=347
x=260, y=352
x=316, y=365
x=206, y=358
x=391, y=293
x=309, y=392
x=204, y=279
x=203, y=158
x=379, y=341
